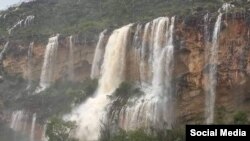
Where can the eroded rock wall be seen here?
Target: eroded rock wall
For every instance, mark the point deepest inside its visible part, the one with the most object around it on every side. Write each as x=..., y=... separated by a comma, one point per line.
x=189, y=66
x=16, y=61
x=232, y=92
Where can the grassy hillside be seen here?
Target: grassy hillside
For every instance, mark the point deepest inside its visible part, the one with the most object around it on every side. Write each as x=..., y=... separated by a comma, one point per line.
x=89, y=17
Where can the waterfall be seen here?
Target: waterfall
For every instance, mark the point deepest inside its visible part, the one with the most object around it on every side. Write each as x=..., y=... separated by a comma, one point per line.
x=21, y=23
x=24, y=124
x=17, y=120
x=207, y=35
x=155, y=108
x=18, y=24
x=2, y=53
x=226, y=7
x=71, y=59
x=206, y=28
x=44, y=138
x=28, y=20
x=30, y=57
x=49, y=64
x=144, y=76
x=99, y=54
x=33, y=126
x=212, y=73
x=90, y=115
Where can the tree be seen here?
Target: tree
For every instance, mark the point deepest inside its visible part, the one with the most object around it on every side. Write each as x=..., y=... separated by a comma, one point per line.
x=60, y=130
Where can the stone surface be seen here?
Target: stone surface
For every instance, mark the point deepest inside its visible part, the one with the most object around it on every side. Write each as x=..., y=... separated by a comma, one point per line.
x=233, y=91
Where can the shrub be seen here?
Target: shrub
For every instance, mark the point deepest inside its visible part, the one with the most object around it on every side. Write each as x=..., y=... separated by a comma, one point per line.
x=122, y=94
x=140, y=135
x=127, y=90
x=90, y=86
x=122, y=135
x=220, y=115
x=240, y=118
x=176, y=134
x=49, y=102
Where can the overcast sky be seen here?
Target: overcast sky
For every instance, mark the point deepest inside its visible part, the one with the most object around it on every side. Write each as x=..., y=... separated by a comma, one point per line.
x=6, y=3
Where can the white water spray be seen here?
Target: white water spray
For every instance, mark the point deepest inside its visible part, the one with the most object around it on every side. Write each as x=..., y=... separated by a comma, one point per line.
x=90, y=115
x=155, y=108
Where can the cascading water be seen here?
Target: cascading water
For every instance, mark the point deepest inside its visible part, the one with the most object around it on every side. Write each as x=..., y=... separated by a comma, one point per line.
x=18, y=24
x=44, y=138
x=2, y=54
x=206, y=29
x=17, y=120
x=212, y=73
x=4, y=51
x=154, y=109
x=28, y=20
x=30, y=57
x=33, y=125
x=71, y=59
x=49, y=64
x=144, y=76
x=99, y=54
x=226, y=7
x=21, y=23
x=135, y=51
x=24, y=124
x=90, y=114
x=206, y=37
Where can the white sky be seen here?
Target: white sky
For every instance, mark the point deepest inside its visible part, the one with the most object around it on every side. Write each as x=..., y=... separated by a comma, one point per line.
x=4, y=4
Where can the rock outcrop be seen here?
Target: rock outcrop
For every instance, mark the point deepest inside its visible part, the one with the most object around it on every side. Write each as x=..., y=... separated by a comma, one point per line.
x=16, y=61
x=189, y=66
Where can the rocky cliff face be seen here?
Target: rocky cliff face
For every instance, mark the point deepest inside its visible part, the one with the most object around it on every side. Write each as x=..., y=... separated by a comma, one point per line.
x=190, y=67
x=16, y=61
x=232, y=92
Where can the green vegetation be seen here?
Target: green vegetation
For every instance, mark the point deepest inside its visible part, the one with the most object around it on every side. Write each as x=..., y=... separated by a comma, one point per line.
x=176, y=134
x=220, y=115
x=48, y=103
x=88, y=17
x=11, y=88
x=127, y=90
x=122, y=94
x=240, y=118
x=120, y=98
x=60, y=130
x=138, y=135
